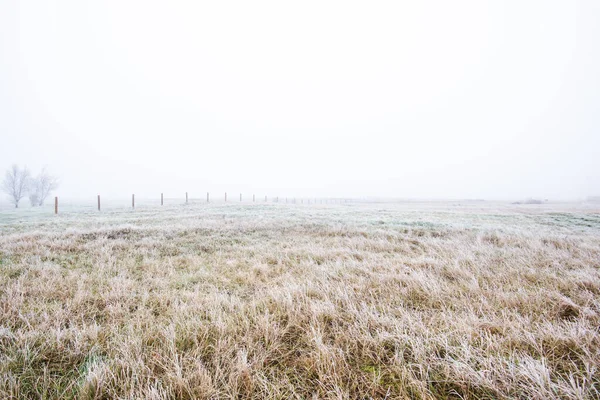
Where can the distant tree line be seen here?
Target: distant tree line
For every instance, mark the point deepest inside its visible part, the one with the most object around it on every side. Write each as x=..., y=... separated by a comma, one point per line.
x=19, y=183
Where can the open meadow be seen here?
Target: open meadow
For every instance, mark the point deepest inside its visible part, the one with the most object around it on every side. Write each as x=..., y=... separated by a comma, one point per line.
x=465, y=300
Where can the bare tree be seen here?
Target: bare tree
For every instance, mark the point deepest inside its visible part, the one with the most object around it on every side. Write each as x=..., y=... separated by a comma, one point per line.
x=41, y=186
x=15, y=183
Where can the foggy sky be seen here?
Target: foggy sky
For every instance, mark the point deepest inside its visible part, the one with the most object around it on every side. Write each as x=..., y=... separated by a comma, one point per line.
x=436, y=99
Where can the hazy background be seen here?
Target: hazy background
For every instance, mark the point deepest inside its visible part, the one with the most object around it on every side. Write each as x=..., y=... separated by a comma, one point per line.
x=441, y=99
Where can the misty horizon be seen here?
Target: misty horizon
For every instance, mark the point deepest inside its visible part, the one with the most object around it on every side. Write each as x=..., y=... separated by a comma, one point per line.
x=467, y=100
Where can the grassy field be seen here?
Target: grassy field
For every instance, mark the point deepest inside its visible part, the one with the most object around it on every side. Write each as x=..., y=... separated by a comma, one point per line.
x=411, y=300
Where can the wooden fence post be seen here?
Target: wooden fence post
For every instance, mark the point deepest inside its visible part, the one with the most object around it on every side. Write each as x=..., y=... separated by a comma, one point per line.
x=98, y=202
x=161, y=199
x=253, y=198
x=207, y=197
x=240, y=197
x=186, y=197
x=133, y=201
x=56, y=205
x=225, y=197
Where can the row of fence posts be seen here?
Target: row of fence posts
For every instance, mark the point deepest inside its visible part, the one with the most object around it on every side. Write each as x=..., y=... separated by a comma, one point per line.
x=276, y=200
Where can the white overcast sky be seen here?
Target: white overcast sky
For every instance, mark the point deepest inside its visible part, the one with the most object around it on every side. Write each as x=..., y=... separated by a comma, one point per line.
x=440, y=99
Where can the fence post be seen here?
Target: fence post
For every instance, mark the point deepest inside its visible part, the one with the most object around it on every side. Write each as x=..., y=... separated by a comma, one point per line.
x=265, y=198
x=161, y=199
x=253, y=198
x=186, y=198
x=56, y=205
x=207, y=197
x=240, y=197
x=225, y=197
x=133, y=201
x=98, y=202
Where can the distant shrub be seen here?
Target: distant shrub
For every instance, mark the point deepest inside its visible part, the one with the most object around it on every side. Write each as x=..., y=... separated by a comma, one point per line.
x=533, y=201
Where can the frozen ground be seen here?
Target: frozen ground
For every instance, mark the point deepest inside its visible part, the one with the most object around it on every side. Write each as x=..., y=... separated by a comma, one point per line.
x=357, y=300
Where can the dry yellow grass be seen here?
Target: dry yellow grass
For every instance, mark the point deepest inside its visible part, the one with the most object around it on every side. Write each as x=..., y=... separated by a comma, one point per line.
x=272, y=301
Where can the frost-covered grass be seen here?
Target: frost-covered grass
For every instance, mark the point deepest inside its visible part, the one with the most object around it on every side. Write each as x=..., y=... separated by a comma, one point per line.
x=413, y=300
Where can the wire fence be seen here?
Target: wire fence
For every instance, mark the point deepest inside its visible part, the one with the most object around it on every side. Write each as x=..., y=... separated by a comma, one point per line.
x=57, y=205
